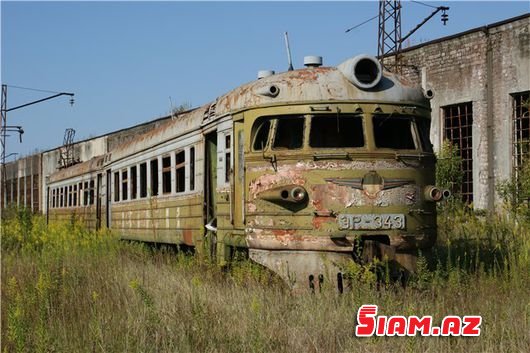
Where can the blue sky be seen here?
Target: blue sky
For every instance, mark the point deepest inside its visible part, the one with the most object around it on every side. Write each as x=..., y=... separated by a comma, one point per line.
x=124, y=60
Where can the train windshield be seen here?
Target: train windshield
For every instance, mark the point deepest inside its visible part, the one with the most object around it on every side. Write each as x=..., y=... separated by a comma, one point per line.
x=395, y=132
x=336, y=131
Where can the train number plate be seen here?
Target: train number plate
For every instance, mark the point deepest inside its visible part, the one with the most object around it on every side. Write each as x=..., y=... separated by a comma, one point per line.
x=371, y=221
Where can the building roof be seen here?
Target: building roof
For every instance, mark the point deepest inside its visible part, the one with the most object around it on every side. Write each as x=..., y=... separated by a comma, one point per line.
x=461, y=34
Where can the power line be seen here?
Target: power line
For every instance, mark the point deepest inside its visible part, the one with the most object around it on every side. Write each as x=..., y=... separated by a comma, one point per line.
x=32, y=89
x=360, y=24
x=424, y=4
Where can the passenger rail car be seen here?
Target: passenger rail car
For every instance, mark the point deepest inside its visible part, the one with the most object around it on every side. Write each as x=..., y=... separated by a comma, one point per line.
x=306, y=170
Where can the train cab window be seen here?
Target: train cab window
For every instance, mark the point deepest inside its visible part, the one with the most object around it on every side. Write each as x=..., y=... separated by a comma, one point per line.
x=75, y=196
x=166, y=175
x=424, y=130
x=134, y=183
x=154, y=177
x=192, y=168
x=116, y=187
x=143, y=180
x=261, y=134
x=396, y=132
x=124, y=184
x=92, y=189
x=180, y=172
x=289, y=133
x=336, y=131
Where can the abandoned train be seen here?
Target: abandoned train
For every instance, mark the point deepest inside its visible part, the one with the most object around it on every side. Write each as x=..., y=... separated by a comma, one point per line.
x=302, y=170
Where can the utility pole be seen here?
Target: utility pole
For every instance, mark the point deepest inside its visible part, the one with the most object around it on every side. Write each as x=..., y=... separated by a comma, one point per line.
x=389, y=38
x=4, y=129
x=389, y=35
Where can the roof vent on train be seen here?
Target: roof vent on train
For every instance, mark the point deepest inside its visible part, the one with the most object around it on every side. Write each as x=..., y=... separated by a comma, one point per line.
x=312, y=61
x=364, y=71
x=265, y=73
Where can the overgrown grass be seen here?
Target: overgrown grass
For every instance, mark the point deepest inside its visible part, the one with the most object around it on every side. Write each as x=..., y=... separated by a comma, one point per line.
x=65, y=289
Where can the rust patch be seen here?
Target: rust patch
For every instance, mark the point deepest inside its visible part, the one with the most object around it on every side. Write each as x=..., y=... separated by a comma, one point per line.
x=319, y=220
x=188, y=237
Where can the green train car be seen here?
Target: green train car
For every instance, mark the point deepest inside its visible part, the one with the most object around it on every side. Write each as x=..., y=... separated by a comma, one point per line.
x=305, y=171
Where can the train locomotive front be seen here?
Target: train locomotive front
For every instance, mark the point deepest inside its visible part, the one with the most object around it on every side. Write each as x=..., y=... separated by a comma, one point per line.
x=337, y=167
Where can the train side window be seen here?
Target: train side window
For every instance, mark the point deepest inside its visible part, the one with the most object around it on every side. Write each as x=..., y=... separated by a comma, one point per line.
x=60, y=197
x=166, y=175
x=180, y=172
x=192, y=168
x=124, y=184
x=80, y=194
x=332, y=131
x=69, y=195
x=85, y=193
x=75, y=196
x=92, y=192
x=228, y=145
x=394, y=132
x=143, y=179
x=154, y=177
x=116, y=187
x=134, y=183
x=289, y=133
x=53, y=198
x=261, y=134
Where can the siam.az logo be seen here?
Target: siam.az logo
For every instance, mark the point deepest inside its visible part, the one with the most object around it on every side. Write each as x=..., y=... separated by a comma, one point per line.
x=369, y=324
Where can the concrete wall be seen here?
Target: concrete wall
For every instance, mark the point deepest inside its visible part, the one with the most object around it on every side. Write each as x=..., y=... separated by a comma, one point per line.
x=483, y=66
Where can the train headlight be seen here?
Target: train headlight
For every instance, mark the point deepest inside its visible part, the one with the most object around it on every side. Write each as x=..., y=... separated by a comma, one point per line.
x=298, y=194
x=433, y=193
x=364, y=71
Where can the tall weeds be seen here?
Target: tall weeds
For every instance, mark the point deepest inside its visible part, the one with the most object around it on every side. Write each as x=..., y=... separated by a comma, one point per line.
x=66, y=289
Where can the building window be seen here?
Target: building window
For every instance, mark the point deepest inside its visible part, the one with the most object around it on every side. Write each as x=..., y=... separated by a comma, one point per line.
x=143, y=180
x=166, y=175
x=134, y=183
x=116, y=187
x=192, y=168
x=180, y=172
x=124, y=184
x=458, y=122
x=521, y=130
x=228, y=145
x=154, y=177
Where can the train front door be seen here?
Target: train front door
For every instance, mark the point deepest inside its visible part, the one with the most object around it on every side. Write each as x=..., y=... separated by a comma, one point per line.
x=210, y=185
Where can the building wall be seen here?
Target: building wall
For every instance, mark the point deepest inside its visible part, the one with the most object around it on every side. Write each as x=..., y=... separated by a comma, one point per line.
x=483, y=66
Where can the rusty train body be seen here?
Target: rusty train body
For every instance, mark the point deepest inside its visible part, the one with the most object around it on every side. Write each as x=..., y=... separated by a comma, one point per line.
x=304, y=171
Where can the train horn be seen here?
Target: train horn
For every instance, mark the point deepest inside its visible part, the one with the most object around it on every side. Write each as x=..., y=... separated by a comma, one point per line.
x=364, y=71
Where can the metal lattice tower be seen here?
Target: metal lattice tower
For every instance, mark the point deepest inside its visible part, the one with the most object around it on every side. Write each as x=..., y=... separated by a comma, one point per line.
x=389, y=38
x=67, y=150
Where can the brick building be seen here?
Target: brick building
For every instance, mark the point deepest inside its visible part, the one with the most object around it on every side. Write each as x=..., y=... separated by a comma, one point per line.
x=481, y=84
